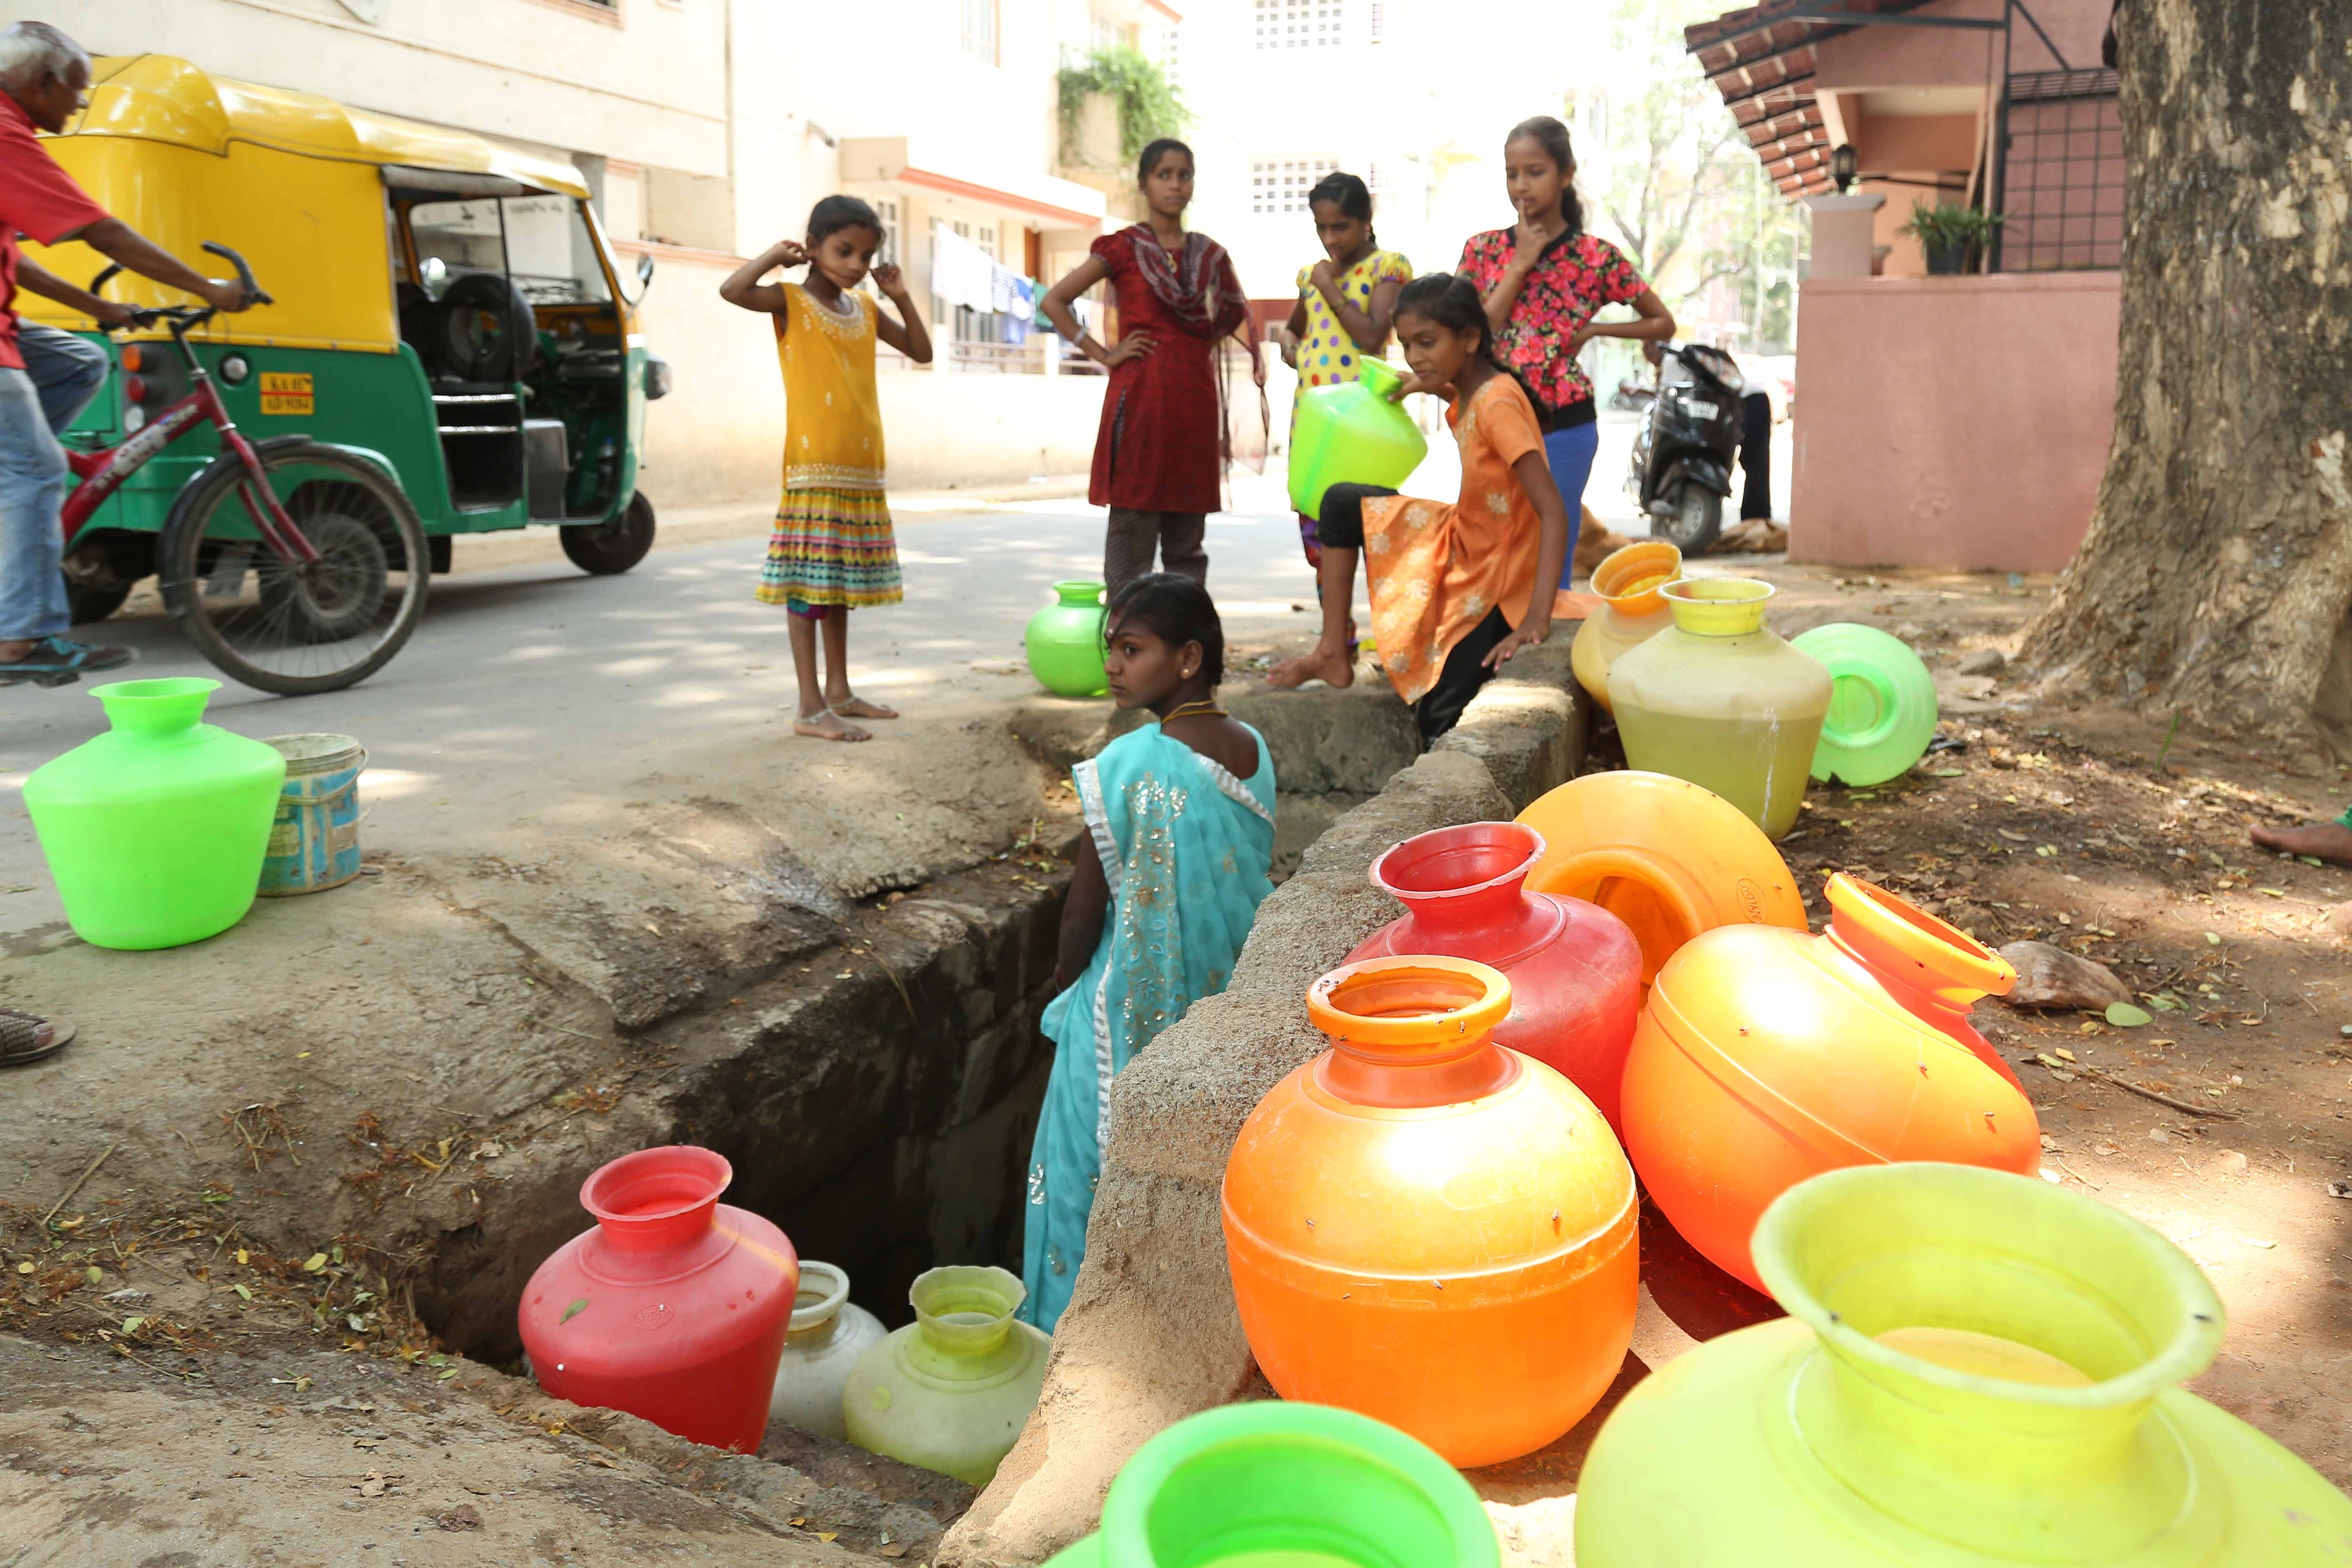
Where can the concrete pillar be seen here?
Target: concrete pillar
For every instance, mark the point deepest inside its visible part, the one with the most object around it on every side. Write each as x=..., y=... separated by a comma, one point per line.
x=1843, y=232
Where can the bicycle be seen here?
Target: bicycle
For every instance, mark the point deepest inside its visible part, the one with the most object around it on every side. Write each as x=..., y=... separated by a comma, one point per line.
x=293, y=565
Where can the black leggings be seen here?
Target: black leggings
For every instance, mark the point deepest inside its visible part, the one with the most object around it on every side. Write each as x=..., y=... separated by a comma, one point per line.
x=1341, y=526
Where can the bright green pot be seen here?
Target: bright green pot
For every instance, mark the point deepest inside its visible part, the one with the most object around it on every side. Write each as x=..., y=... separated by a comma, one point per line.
x=155, y=830
x=1064, y=641
x=2030, y=1413
x=1882, y=704
x=1351, y=433
x=1277, y=1485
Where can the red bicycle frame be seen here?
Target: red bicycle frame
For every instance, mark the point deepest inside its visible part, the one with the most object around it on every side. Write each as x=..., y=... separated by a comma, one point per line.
x=102, y=472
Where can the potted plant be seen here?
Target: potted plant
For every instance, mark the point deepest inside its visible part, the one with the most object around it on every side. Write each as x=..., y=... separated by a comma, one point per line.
x=1953, y=237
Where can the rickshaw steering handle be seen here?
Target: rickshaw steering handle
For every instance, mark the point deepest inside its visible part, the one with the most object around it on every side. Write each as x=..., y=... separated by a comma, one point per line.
x=254, y=294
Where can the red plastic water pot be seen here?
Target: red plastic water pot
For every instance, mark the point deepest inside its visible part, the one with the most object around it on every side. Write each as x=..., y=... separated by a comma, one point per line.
x=1575, y=969
x=674, y=1307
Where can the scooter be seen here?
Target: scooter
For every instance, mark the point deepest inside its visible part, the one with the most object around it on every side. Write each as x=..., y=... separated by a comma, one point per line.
x=1682, y=456
x=1631, y=397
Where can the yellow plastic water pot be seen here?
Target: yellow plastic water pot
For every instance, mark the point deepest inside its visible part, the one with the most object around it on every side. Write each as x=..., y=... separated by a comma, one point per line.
x=1977, y=1368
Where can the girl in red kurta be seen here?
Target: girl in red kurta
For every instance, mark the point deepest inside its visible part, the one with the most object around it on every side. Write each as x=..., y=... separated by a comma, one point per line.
x=1167, y=426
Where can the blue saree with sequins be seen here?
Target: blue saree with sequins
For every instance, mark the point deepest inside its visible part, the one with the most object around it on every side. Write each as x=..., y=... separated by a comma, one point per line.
x=1185, y=847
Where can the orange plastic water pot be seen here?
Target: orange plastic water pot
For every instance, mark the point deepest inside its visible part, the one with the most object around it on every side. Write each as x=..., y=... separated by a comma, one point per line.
x=1667, y=857
x=1427, y=1227
x=1765, y=1056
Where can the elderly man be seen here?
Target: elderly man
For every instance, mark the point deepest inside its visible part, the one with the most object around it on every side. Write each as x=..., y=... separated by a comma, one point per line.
x=47, y=376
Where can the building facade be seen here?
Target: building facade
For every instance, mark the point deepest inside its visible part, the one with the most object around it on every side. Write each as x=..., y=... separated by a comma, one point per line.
x=707, y=129
x=1955, y=420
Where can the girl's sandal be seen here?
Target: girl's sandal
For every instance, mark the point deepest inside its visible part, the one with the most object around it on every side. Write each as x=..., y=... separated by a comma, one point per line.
x=27, y=1036
x=825, y=724
x=856, y=707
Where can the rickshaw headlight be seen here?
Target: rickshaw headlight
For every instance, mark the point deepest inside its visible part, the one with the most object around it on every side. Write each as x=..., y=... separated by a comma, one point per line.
x=134, y=420
x=657, y=377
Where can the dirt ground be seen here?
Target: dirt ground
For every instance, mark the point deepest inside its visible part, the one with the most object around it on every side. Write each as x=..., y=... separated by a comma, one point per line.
x=169, y=1364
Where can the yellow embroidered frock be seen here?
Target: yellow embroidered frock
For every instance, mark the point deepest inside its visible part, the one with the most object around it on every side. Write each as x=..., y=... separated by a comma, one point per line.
x=833, y=542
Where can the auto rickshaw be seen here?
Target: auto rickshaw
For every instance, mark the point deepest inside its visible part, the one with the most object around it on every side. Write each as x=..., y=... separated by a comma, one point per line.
x=444, y=308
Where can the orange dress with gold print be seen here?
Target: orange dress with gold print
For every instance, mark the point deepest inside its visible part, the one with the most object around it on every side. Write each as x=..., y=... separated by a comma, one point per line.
x=1434, y=569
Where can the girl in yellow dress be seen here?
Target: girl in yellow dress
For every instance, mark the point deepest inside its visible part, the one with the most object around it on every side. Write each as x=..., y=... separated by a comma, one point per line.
x=832, y=549
x=1344, y=304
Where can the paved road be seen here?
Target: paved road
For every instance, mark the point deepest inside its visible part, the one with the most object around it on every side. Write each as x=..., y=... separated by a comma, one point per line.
x=528, y=680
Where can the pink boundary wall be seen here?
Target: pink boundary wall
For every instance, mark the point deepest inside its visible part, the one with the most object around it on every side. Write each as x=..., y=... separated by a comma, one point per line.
x=1952, y=422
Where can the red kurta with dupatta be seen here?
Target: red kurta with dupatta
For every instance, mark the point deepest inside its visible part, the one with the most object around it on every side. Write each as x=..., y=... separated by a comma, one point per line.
x=1165, y=429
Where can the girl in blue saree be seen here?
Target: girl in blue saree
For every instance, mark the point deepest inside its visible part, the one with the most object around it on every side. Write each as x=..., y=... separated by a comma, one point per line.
x=1180, y=820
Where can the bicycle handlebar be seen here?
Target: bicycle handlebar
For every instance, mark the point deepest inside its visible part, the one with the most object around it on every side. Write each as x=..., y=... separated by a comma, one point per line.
x=187, y=315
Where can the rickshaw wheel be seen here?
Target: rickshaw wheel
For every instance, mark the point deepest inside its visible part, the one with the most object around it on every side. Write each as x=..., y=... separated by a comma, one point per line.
x=608, y=548
x=286, y=627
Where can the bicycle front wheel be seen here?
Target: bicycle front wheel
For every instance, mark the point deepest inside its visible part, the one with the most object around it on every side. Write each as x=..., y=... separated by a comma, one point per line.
x=293, y=626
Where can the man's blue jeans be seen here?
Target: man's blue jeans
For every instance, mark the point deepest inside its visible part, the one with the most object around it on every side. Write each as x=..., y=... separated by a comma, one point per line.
x=62, y=372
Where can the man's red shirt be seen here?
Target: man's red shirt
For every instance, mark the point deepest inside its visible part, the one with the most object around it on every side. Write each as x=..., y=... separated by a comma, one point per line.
x=37, y=199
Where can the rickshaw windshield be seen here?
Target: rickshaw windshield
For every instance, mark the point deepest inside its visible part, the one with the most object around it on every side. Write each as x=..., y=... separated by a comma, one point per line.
x=541, y=241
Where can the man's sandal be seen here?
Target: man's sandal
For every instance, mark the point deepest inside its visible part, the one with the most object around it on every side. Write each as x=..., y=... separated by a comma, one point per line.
x=27, y=1036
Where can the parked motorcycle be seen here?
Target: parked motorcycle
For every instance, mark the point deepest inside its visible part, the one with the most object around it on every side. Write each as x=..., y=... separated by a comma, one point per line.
x=1683, y=455
x=1632, y=396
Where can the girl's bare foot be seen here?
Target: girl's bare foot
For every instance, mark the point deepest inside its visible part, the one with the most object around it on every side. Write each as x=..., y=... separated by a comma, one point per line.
x=1331, y=665
x=2330, y=841
x=851, y=706
x=825, y=724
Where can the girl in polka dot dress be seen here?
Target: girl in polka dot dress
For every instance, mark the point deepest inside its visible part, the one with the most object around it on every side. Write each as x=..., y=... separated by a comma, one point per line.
x=1345, y=302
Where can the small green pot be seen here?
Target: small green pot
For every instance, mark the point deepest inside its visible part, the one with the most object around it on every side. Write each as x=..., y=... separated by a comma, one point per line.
x=1279, y=1485
x=1882, y=704
x=1064, y=641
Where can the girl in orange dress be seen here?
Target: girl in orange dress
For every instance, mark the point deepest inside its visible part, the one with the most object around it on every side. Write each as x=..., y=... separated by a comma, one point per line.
x=832, y=549
x=1456, y=591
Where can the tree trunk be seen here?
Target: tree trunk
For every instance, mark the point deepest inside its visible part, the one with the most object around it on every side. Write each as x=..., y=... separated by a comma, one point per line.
x=2216, y=573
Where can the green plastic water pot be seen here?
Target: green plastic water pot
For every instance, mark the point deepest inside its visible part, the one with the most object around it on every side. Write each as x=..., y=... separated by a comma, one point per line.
x=1978, y=1370
x=155, y=831
x=1351, y=433
x=1882, y=704
x=1064, y=641
x=1279, y=1485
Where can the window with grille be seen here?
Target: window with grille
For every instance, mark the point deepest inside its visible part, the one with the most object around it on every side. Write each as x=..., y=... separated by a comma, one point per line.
x=1373, y=178
x=2061, y=187
x=1169, y=57
x=980, y=29
x=1280, y=185
x=886, y=209
x=1379, y=21
x=1297, y=23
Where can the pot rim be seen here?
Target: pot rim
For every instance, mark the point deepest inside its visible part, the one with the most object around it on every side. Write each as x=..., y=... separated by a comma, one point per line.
x=2188, y=1350
x=1437, y=841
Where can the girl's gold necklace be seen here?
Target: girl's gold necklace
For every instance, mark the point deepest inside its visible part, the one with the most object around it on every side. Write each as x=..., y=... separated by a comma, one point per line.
x=1203, y=709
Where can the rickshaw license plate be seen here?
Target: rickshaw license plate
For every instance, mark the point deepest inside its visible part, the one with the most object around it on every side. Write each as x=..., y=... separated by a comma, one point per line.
x=285, y=393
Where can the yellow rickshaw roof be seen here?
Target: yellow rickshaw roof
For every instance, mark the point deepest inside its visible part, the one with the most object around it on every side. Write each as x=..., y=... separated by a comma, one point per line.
x=157, y=97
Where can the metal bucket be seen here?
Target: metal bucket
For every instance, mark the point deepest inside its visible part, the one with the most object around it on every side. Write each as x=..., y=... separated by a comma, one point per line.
x=315, y=842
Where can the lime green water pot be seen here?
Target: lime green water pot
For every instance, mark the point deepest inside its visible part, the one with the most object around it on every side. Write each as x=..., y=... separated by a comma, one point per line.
x=1976, y=1369
x=1064, y=641
x=1351, y=433
x=1275, y=1485
x=155, y=830
x=1881, y=703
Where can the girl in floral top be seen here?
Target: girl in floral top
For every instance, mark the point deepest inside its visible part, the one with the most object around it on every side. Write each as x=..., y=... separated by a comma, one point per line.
x=1345, y=302
x=1543, y=280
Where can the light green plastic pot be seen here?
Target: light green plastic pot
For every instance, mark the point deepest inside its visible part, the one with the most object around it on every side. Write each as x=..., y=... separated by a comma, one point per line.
x=1351, y=433
x=155, y=831
x=950, y=1390
x=1064, y=641
x=1882, y=704
x=1978, y=1370
x=1279, y=1484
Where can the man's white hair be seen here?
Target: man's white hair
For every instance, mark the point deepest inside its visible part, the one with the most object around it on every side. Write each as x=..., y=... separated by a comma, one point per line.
x=35, y=49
